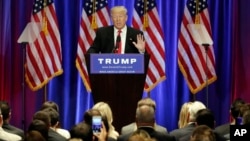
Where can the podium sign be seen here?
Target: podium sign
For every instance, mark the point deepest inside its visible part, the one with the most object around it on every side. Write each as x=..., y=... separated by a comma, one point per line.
x=117, y=64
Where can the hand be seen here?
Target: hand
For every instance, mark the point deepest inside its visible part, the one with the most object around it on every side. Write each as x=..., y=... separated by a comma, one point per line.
x=103, y=134
x=140, y=45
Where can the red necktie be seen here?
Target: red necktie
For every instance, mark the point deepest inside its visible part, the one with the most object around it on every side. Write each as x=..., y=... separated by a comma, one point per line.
x=119, y=42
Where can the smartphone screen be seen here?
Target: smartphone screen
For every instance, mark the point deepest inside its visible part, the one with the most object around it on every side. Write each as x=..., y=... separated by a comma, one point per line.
x=96, y=124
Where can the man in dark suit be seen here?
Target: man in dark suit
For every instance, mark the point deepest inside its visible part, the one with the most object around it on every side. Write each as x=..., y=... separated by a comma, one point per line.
x=188, y=129
x=145, y=120
x=6, y=113
x=224, y=129
x=132, y=40
x=132, y=126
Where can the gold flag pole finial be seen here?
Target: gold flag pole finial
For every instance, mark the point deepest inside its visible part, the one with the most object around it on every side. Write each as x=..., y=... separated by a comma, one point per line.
x=197, y=13
x=45, y=20
x=93, y=22
x=145, y=16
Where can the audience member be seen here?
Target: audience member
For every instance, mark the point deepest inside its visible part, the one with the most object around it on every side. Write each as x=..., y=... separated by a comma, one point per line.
x=106, y=111
x=183, y=117
x=204, y=117
x=6, y=112
x=132, y=126
x=6, y=136
x=145, y=120
x=188, y=129
x=84, y=132
x=40, y=126
x=224, y=129
x=94, y=112
x=202, y=133
x=57, y=128
x=46, y=117
x=34, y=136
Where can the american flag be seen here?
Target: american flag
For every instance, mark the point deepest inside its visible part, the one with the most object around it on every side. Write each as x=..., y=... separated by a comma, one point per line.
x=146, y=18
x=192, y=57
x=43, y=56
x=94, y=14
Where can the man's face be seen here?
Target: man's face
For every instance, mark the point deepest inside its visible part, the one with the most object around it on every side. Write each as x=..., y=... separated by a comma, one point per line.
x=119, y=19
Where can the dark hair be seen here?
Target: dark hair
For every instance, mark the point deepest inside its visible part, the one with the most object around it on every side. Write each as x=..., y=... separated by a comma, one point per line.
x=43, y=116
x=235, y=107
x=5, y=108
x=34, y=136
x=40, y=126
x=54, y=116
x=205, y=117
x=81, y=130
x=50, y=104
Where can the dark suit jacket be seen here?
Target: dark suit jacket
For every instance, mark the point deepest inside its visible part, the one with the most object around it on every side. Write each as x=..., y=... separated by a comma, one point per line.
x=178, y=133
x=132, y=127
x=14, y=130
x=223, y=129
x=104, y=40
x=54, y=136
x=153, y=134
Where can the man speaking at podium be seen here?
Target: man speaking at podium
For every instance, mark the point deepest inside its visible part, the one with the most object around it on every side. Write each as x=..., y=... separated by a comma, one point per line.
x=113, y=88
x=118, y=38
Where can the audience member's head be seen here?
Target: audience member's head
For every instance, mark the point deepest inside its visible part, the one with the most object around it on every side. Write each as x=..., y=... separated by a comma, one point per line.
x=82, y=131
x=40, y=126
x=147, y=101
x=34, y=135
x=202, y=133
x=145, y=116
x=54, y=116
x=94, y=112
x=205, y=117
x=43, y=116
x=235, y=107
x=105, y=110
x=184, y=114
x=6, y=111
x=194, y=108
x=50, y=104
x=140, y=135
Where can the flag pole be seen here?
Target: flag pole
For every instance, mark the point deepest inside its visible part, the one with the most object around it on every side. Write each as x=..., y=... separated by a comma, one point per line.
x=206, y=46
x=23, y=87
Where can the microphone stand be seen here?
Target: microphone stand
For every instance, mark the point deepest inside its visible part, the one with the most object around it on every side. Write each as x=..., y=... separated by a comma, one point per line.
x=206, y=46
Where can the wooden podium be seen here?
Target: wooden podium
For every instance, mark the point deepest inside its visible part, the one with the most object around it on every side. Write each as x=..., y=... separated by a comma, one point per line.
x=120, y=91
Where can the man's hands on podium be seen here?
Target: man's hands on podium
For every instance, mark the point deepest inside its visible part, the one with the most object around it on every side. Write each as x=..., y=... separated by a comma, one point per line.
x=140, y=44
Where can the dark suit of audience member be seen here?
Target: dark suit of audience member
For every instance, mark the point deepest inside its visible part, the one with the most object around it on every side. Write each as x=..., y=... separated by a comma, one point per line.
x=145, y=120
x=193, y=109
x=204, y=117
x=224, y=129
x=6, y=113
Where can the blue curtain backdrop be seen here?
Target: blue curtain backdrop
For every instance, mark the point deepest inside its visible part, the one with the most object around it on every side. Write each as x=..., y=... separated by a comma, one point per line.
x=68, y=89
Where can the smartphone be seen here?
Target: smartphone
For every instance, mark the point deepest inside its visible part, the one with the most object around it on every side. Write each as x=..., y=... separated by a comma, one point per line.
x=96, y=124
